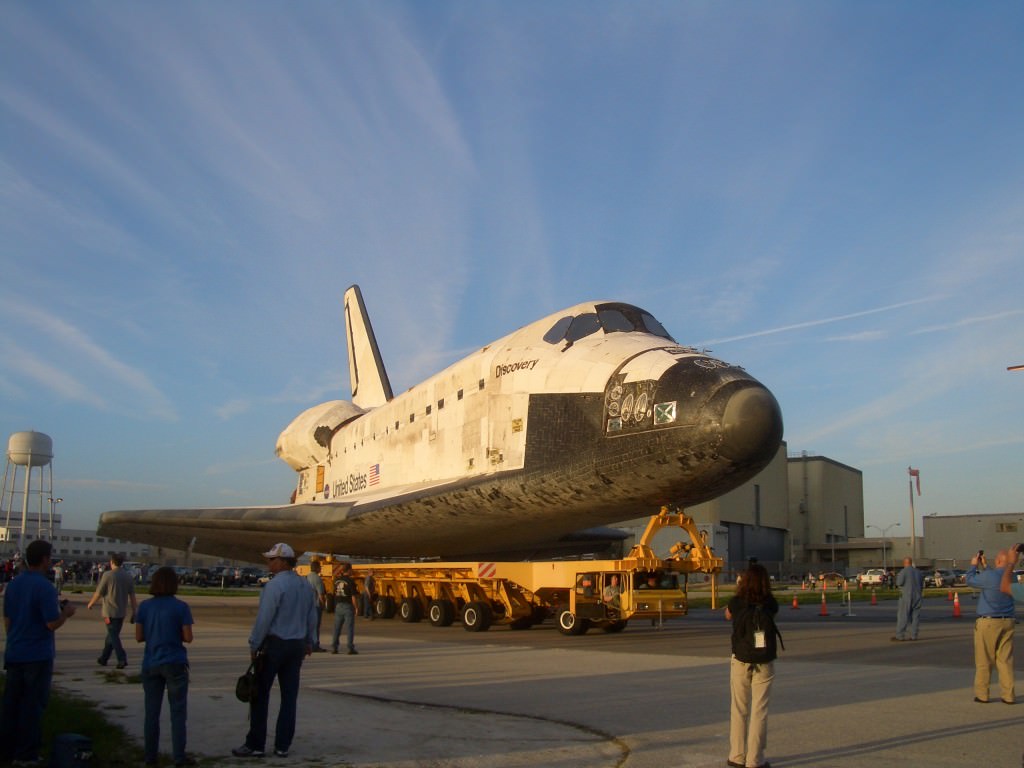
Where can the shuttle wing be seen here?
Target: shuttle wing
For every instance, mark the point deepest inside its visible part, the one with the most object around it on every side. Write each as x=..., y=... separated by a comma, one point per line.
x=399, y=524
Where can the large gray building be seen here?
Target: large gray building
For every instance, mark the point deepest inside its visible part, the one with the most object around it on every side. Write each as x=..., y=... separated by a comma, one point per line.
x=950, y=541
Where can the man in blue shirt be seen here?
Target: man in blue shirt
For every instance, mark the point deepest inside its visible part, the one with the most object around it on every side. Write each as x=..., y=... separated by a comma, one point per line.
x=1009, y=585
x=993, y=629
x=281, y=638
x=908, y=614
x=31, y=616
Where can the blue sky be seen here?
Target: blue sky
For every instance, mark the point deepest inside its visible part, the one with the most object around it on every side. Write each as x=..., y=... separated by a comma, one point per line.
x=829, y=194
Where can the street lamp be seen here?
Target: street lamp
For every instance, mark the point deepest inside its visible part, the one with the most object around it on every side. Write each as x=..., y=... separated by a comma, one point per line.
x=832, y=538
x=53, y=503
x=883, y=532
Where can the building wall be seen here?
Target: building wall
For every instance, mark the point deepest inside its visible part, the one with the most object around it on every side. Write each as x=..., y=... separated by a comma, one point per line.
x=826, y=505
x=950, y=541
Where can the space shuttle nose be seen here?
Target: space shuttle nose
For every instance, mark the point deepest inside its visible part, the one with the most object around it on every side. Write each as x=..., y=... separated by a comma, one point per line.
x=751, y=425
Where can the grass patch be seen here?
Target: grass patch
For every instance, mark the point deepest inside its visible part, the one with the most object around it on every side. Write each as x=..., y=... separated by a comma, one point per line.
x=67, y=713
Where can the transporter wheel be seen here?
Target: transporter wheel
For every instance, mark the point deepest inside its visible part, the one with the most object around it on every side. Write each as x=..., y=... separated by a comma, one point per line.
x=441, y=613
x=410, y=610
x=570, y=624
x=615, y=626
x=476, y=617
x=384, y=608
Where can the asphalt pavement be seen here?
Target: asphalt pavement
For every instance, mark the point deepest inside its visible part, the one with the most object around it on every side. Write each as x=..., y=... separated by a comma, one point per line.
x=650, y=697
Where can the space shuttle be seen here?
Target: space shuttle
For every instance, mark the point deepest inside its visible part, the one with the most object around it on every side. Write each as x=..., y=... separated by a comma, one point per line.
x=524, y=448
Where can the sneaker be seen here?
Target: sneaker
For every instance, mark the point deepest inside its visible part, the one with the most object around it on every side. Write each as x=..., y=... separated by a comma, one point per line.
x=334, y=650
x=101, y=662
x=246, y=751
x=122, y=664
x=187, y=762
x=280, y=752
x=352, y=651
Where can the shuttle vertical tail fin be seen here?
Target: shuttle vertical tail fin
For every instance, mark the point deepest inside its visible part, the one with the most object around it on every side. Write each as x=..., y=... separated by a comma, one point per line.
x=370, y=385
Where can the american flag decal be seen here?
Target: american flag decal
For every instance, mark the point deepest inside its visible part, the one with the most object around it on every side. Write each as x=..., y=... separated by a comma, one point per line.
x=375, y=474
x=485, y=570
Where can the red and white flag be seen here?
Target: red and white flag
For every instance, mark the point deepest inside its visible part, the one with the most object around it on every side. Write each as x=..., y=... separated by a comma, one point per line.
x=916, y=474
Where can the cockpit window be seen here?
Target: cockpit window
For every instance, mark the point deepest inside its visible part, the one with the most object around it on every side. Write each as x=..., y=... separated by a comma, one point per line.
x=625, y=318
x=611, y=318
x=557, y=332
x=582, y=326
x=653, y=326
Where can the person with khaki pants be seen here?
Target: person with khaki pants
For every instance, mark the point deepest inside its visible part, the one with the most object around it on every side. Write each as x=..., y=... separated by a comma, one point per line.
x=993, y=630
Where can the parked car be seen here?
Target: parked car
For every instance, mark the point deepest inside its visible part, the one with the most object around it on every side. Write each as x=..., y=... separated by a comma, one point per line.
x=222, y=576
x=199, y=577
x=872, y=577
x=250, y=576
x=940, y=577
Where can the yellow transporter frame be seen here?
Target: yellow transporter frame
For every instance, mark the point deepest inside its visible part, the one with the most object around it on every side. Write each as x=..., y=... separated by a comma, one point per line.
x=521, y=594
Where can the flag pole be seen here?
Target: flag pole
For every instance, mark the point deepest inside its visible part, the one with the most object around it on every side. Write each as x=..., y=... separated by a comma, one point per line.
x=913, y=526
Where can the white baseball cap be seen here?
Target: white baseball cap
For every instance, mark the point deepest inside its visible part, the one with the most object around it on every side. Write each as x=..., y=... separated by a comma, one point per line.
x=279, y=550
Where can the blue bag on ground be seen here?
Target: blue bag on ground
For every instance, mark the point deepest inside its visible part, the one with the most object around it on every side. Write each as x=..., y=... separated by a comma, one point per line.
x=71, y=750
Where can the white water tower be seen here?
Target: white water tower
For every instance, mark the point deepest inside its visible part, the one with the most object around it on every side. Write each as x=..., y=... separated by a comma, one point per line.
x=33, y=451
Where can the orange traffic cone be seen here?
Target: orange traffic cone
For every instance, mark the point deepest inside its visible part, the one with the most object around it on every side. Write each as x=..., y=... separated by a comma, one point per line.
x=949, y=597
x=956, y=605
x=796, y=603
x=824, y=607
x=874, y=598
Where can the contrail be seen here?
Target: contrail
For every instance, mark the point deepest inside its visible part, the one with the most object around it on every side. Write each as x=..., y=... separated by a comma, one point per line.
x=812, y=323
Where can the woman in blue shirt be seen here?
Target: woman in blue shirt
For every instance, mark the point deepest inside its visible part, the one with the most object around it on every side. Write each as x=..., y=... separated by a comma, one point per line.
x=164, y=624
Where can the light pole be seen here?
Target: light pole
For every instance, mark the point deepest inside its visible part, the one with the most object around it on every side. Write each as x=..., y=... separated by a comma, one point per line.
x=832, y=538
x=53, y=503
x=883, y=532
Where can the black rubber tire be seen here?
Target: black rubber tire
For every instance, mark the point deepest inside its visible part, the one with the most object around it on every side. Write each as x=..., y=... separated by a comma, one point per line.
x=569, y=624
x=476, y=617
x=384, y=607
x=441, y=613
x=410, y=610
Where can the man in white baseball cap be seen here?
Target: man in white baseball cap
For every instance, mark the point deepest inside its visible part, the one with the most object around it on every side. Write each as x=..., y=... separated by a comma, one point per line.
x=281, y=638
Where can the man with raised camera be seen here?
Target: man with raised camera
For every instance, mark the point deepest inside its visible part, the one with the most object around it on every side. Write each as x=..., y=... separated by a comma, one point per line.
x=993, y=629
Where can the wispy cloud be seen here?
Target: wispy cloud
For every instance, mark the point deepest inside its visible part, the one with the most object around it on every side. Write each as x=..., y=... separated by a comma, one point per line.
x=303, y=396
x=863, y=336
x=77, y=352
x=964, y=322
x=47, y=376
x=822, y=321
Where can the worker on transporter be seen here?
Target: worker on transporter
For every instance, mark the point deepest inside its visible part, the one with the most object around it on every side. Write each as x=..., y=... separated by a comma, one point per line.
x=613, y=591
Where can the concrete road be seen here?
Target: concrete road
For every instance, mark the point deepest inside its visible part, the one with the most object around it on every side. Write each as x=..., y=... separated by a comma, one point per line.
x=651, y=697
